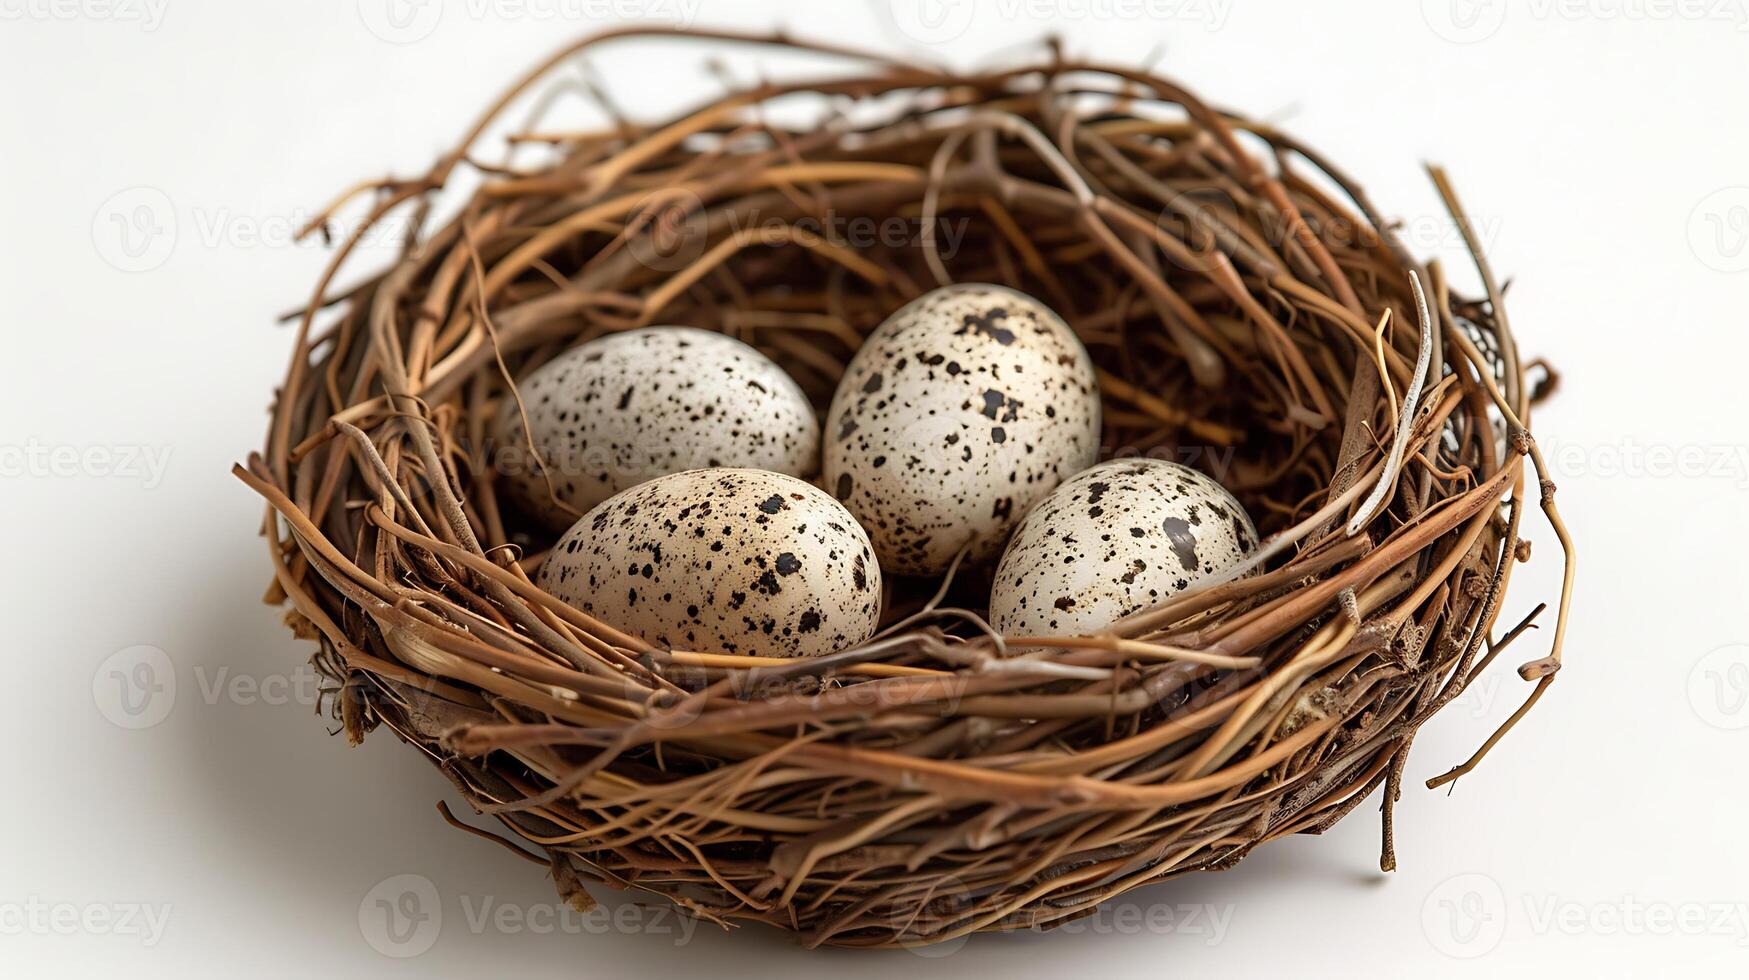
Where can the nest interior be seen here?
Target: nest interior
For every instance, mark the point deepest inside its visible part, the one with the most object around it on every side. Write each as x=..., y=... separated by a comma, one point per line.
x=1250, y=312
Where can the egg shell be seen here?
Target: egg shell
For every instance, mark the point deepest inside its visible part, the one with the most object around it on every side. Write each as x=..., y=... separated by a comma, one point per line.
x=1114, y=540
x=722, y=561
x=621, y=409
x=959, y=412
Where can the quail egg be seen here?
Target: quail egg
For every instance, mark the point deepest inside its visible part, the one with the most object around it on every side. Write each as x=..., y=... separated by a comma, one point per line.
x=1114, y=540
x=960, y=411
x=627, y=407
x=722, y=561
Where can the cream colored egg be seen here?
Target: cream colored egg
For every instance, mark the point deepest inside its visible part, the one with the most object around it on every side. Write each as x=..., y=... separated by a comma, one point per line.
x=1114, y=540
x=627, y=407
x=723, y=561
x=960, y=411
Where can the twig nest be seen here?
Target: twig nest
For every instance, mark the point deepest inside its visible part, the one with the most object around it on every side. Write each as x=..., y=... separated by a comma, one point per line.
x=1234, y=289
x=621, y=409
x=1116, y=539
x=723, y=561
x=961, y=411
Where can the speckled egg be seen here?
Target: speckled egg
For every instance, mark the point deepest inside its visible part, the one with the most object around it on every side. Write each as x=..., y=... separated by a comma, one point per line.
x=1114, y=540
x=723, y=561
x=960, y=411
x=628, y=407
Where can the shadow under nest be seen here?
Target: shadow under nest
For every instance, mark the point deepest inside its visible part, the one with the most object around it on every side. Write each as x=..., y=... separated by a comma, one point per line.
x=1250, y=313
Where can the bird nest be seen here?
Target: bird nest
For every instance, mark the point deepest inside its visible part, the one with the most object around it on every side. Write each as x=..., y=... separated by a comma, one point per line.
x=1250, y=313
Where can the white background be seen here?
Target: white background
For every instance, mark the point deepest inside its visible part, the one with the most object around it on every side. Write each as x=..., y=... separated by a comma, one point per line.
x=1600, y=145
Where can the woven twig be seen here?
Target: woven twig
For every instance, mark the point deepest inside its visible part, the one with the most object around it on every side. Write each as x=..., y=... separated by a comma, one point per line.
x=1245, y=318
